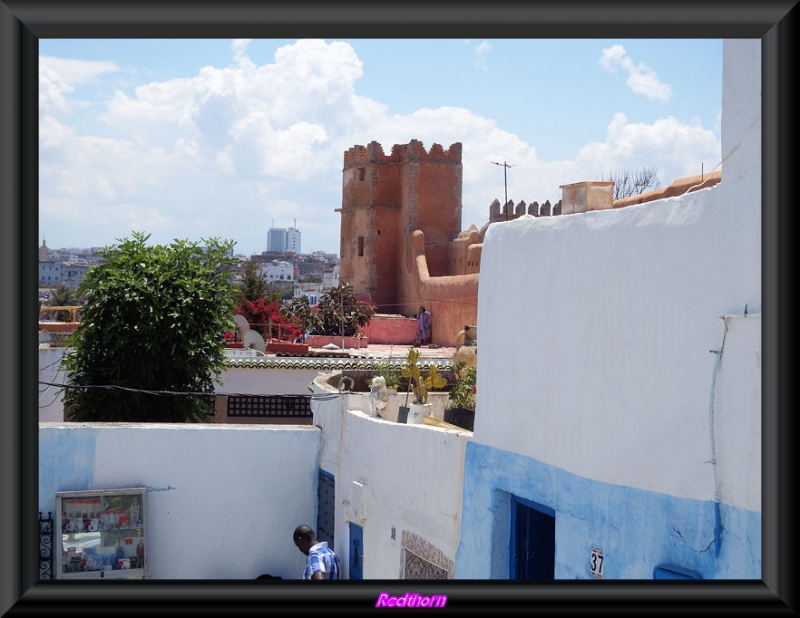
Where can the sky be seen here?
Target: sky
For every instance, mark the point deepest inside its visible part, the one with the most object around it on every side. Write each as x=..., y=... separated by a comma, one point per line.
x=195, y=139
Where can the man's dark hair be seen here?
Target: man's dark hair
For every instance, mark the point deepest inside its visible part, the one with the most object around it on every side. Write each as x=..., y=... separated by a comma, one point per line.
x=304, y=532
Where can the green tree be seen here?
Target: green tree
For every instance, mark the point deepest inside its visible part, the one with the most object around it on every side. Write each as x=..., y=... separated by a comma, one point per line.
x=153, y=325
x=252, y=290
x=341, y=313
x=299, y=312
x=253, y=285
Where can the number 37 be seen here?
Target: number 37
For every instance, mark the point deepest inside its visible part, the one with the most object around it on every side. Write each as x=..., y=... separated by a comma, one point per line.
x=596, y=562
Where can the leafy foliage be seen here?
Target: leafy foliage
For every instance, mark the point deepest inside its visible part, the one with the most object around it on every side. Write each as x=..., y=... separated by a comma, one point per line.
x=260, y=304
x=154, y=321
x=389, y=373
x=63, y=296
x=302, y=315
x=421, y=384
x=462, y=393
x=253, y=285
x=341, y=313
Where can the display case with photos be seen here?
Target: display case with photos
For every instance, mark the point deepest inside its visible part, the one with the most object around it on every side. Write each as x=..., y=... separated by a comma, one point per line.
x=101, y=534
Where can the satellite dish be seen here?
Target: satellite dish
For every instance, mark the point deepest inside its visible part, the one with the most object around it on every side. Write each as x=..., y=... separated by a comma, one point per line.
x=241, y=323
x=254, y=341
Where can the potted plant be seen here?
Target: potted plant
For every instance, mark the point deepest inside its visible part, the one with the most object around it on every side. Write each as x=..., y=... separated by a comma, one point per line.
x=460, y=410
x=420, y=384
x=389, y=374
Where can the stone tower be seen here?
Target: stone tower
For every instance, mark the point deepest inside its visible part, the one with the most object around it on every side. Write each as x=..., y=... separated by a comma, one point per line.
x=385, y=198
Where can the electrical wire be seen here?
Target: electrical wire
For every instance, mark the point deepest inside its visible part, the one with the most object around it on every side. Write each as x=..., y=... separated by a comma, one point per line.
x=185, y=393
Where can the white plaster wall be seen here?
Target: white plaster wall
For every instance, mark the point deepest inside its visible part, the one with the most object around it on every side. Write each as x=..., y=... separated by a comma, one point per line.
x=266, y=381
x=609, y=372
x=412, y=474
x=235, y=381
x=222, y=500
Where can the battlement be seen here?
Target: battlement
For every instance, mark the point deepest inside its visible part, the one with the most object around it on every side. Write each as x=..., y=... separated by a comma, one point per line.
x=401, y=153
x=499, y=213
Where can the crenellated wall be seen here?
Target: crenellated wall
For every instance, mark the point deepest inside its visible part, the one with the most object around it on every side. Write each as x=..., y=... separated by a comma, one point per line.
x=498, y=212
x=385, y=200
x=401, y=236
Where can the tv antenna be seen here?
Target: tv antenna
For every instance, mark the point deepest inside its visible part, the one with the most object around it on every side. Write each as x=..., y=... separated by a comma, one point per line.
x=505, y=184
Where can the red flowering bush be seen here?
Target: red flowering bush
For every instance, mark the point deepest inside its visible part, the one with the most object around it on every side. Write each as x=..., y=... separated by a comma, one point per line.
x=266, y=317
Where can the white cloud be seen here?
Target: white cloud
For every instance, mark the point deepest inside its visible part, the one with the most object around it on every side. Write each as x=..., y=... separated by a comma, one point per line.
x=239, y=48
x=235, y=150
x=481, y=51
x=677, y=150
x=58, y=78
x=641, y=78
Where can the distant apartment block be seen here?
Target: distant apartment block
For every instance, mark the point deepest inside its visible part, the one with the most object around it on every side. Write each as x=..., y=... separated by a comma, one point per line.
x=283, y=240
x=50, y=272
x=54, y=272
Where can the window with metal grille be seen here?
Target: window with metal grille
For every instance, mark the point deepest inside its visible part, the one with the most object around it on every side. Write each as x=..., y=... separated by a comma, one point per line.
x=283, y=406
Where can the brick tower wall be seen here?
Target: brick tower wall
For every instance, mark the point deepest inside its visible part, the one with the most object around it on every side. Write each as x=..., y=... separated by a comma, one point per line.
x=384, y=199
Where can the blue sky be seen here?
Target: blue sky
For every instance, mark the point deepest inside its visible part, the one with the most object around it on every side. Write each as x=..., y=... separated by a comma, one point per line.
x=225, y=138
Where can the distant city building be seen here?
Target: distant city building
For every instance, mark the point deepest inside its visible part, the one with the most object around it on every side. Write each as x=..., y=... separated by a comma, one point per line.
x=50, y=272
x=278, y=272
x=74, y=272
x=283, y=240
x=65, y=266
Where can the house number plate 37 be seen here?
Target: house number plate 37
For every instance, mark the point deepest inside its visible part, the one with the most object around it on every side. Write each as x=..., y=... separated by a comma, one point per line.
x=596, y=563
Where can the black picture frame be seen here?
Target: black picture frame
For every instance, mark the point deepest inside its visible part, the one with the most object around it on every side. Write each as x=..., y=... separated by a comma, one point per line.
x=24, y=22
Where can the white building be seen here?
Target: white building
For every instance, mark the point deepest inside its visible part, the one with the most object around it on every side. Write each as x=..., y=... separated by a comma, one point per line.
x=621, y=427
x=278, y=272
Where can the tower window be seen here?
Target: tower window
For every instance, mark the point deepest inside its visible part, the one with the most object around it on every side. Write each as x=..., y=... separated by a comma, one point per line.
x=360, y=246
x=361, y=173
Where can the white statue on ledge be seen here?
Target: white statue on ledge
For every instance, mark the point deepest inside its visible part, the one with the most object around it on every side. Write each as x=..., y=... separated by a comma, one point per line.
x=378, y=396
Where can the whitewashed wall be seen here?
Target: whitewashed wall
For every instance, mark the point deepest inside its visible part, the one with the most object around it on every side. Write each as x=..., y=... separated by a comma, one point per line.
x=222, y=501
x=236, y=379
x=266, y=381
x=412, y=477
x=611, y=379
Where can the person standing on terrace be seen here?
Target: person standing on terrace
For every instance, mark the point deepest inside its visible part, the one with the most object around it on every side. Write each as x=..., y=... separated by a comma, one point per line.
x=424, y=326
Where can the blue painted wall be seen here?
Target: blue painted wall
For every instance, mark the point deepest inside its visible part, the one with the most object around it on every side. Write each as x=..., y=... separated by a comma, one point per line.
x=66, y=463
x=635, y=529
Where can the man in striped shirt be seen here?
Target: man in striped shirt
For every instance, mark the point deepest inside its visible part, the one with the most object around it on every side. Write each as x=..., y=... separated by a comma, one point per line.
x=322, y=562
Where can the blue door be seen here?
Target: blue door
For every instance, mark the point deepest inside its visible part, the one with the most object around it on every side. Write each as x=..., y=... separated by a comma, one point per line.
x=533, y=541
x=356, y=552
